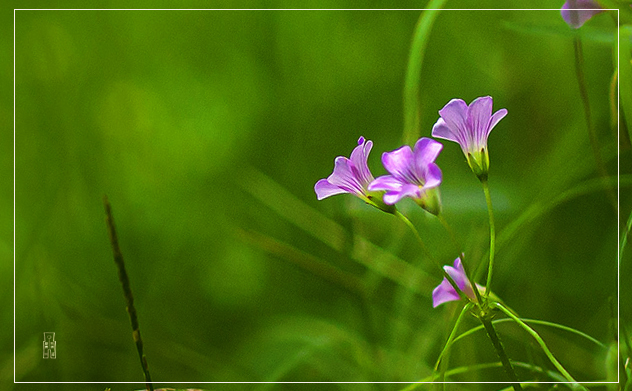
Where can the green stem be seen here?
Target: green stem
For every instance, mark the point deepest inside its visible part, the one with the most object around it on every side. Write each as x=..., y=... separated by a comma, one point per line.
x=427, y=253
x=624, y=237
x=492, y=238
x=448, y=228
x=500, y=351
x=412, y=228
x=451, y=337
x=127, y=292
x=539, y=322
x=592, y=135
x=540, y=341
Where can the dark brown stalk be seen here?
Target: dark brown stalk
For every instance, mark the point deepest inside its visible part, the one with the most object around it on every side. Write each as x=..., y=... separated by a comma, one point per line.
x=127, y=292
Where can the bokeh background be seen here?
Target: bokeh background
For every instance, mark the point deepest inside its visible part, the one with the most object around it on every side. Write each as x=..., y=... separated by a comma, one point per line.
x=207, y=130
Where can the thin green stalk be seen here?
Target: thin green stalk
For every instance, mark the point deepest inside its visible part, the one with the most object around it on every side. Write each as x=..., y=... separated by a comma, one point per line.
x=426, y=252
x=500, y=351
x=127, y=292
x=592, y=135
x=464, y=369
x=451, y=337
x=412, y=228
x=540, y=342
x=540, y=322
x=624, y=237
x=448, y=228
x=492, y=238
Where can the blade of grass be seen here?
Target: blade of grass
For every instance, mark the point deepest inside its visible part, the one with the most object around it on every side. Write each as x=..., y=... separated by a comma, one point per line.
x=373, y=257
x=471, y=368
x=413, y=70
x=625, y=75
x=127, y=292
x=304, y=260
x=540, y=342
x=451, y=339
x=624, y=236
x=539, y=322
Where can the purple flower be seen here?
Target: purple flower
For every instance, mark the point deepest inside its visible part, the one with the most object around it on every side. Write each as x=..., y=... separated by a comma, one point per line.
x=445, y=291
x=352, y=176
x=577, y=12
x=414, y=174
x=469, y=126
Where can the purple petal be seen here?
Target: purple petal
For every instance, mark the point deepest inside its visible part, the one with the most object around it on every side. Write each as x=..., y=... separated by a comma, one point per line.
x=443, y=293
x=457, y=273
x=386, y=182
x=344, y=177
x=359, y=158
x=398, y=162
x=325, y=189
x=407, y=190
x=478, y=115
x=426, y=151
x=432, y=176
x=454, y=113
x=500, y=114
x=441, y=130
x=577, y=18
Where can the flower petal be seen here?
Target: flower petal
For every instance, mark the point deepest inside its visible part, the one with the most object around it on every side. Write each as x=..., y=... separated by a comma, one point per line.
x=478, y=115
x=454, y=113
x=359, y=158
x=325, y=189
x=500, y=114
x=407, y=190
x=426, y=151
x=441, y=130
x=443, y=293
x=386, y=182
x=457, y=273
x=398, y=162
x=344, y=177
x=432, y=176
x=576, y=18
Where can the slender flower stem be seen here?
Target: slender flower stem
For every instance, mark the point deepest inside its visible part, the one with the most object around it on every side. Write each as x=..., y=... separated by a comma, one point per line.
x=592, y=135
x=412, y=228
x=500, y=351
x=492, y=237
x=448, y=228
x=127, y=292
x=451, y=337
x=541, y=342
x=426, y=252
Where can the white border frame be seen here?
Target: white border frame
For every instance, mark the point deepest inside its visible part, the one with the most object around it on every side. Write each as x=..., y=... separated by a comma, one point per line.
x=330, y=9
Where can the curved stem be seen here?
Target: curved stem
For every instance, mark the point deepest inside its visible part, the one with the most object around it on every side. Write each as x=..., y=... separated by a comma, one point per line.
x=451, y=337
x=492, y=237
x=427, y=253
x=448, y=228
x=412, y=228
x=540, y=322
x=540, y=342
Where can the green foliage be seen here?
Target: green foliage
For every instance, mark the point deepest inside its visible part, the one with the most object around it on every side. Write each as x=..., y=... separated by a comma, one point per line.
x=208, y=130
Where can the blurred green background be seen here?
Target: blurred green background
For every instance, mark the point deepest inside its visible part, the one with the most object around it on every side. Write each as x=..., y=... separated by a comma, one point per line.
x=208, y=130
